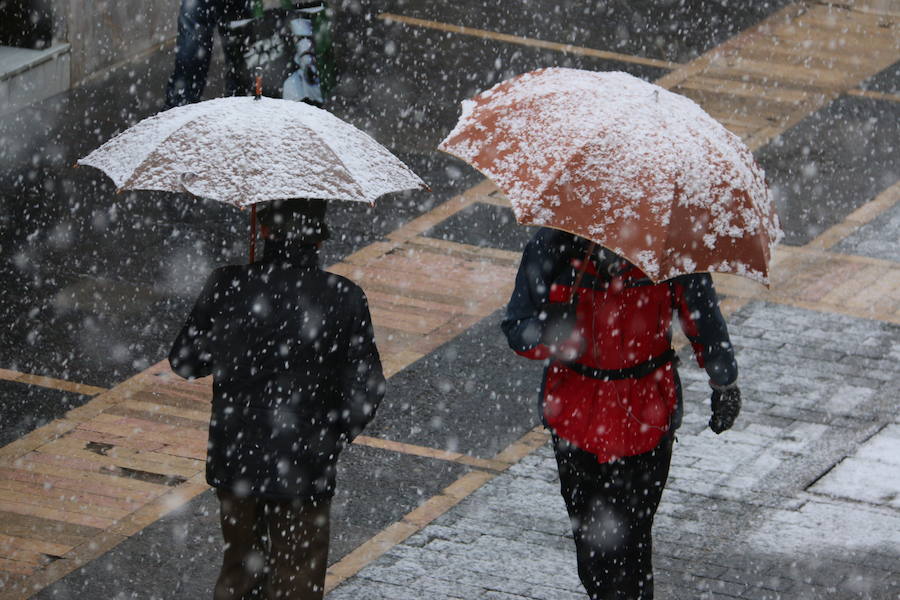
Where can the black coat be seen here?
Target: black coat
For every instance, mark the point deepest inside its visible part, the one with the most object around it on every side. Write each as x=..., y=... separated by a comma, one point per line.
x=296, y=374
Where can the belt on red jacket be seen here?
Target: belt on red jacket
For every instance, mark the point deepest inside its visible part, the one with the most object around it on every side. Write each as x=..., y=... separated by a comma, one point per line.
x=636, y=372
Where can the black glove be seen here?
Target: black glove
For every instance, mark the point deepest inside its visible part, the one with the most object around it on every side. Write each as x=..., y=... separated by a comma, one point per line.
x=558, y=322
x=726, y=404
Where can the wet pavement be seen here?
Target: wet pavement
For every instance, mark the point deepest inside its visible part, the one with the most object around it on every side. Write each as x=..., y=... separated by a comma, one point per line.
x=832, y=162
x=876, y=239
x=97, y=284
x=30, y=406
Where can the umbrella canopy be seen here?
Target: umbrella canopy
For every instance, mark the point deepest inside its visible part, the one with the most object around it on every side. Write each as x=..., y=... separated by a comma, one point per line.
x=643, y=171
x=245, y=150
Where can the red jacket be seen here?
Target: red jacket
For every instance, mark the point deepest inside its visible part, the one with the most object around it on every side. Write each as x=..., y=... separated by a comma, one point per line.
x=624, y=320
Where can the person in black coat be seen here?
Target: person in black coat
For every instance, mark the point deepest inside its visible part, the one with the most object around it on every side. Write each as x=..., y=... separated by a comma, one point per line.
x=296, y=376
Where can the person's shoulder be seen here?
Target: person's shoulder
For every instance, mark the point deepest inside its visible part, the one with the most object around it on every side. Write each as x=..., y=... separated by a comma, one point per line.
x=693, y=279
x=230, y=272
x=699, y=285
x=548, y=240
x=341, y=285
x=229, y=275
x=230, y=269
x=547, y=234
x=558, y=236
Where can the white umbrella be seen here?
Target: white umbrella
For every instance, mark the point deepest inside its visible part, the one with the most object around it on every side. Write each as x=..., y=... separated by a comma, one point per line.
x=245, y=150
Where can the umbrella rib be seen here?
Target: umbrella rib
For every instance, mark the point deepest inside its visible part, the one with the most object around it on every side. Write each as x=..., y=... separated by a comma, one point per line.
x=670, y=237
x=676, y=192
x=337, y=160
x=104, y=152
x=139, y=169
x=156, y=151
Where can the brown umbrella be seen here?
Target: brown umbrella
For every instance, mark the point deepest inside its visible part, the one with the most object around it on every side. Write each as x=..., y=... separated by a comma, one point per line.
x=625, y=163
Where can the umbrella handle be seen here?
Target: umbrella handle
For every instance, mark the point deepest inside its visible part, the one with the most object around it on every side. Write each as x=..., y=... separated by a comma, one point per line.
x=252, y=233
x=573, y=294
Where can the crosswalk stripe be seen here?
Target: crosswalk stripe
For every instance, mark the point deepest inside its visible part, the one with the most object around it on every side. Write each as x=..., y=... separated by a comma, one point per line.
x=524, y=41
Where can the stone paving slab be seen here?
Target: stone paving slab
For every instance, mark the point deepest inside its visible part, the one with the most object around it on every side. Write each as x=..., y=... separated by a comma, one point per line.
x=877, y=239
x=765, y=511
x=870, y=475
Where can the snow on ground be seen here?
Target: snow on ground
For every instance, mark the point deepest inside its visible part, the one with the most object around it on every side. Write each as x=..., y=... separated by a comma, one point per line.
x=748, y=514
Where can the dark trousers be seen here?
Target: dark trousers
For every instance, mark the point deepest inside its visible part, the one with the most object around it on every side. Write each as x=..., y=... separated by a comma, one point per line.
x=611, y=506
x=197, y=23
x=273, y=548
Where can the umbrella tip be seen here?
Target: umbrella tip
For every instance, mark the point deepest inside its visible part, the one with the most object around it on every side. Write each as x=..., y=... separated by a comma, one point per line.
x=426, y=187
x=257, y=88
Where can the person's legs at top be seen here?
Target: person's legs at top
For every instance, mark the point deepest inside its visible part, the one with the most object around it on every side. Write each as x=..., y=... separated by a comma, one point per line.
x=243, y=564
x=612, y=506
x=237, y=79
x=197, y=20
x=298, y=552
x=197, y=23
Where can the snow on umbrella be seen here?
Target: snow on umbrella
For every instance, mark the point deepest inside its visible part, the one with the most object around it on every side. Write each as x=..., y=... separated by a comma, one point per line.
x=245, y=150
x=627, y=164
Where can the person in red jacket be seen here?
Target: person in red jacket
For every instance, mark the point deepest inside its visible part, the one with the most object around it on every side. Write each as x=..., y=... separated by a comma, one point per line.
x=611, y=394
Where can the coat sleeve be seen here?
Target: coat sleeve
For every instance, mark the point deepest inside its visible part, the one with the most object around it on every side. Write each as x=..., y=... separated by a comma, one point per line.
x=361, y=377
x=702, y=322
x=542, y=260
x=191, y=354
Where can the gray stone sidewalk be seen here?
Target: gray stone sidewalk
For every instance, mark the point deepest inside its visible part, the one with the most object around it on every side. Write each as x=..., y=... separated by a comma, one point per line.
x=799, y=501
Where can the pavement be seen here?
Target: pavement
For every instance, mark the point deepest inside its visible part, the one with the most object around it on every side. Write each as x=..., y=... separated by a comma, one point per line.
x=452, y=491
